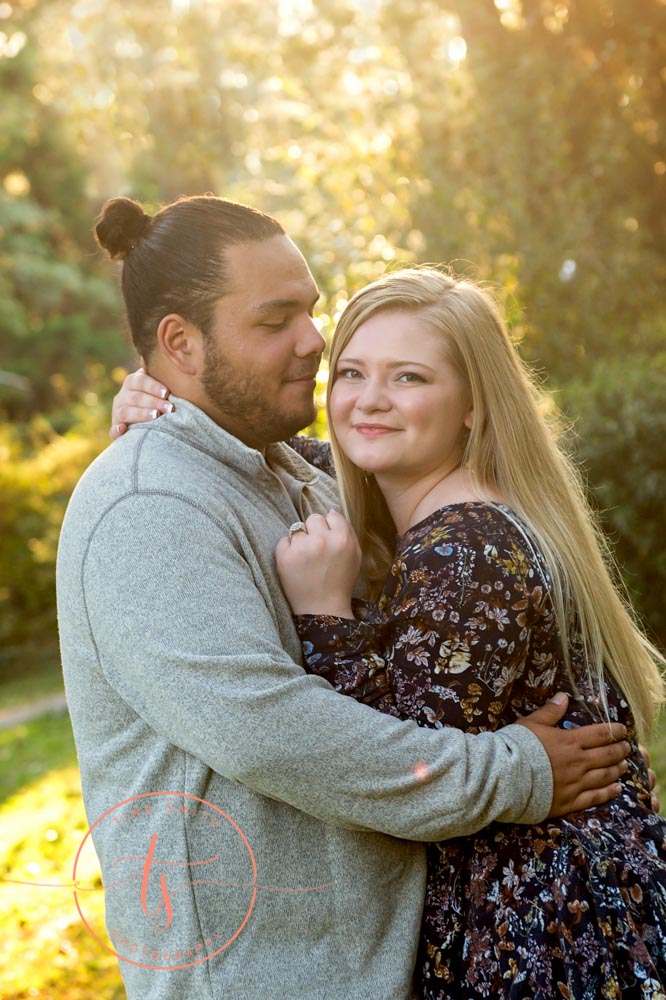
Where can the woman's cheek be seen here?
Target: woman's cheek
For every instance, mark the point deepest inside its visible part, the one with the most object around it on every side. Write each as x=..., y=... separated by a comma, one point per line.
x=341, y=405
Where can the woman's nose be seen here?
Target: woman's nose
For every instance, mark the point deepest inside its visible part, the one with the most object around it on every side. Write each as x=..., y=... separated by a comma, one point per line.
x=372, y=397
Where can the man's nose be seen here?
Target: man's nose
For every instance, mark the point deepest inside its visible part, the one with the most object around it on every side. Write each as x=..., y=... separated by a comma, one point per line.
x=310, y=340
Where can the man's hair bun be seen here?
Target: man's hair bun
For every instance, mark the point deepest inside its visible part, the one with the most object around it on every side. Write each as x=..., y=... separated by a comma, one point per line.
x=120, y=226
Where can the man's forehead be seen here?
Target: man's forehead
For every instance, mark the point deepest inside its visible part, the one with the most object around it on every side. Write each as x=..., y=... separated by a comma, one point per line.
x=270, y=273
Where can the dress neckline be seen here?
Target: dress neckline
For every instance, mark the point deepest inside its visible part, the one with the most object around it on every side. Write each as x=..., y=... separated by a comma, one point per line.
x=502, y=507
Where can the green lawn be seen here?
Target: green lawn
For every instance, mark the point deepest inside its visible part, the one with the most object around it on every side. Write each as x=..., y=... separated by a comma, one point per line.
x=47, y=952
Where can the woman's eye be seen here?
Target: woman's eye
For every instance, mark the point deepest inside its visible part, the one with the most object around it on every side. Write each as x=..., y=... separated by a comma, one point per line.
x=349, y=373
x=409, y=377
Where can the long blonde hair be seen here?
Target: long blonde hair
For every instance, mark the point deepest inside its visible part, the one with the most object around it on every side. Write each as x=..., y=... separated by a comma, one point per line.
x=512, y=451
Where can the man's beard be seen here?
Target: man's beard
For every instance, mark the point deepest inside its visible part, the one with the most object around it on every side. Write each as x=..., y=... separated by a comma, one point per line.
x=236, y=394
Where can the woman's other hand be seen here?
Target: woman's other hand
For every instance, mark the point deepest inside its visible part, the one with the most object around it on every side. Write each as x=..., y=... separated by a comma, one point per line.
x=652, y=777
x=318, y=566
x=141, y=398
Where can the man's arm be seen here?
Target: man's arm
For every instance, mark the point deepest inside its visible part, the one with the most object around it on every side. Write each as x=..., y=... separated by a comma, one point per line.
x=185, y=637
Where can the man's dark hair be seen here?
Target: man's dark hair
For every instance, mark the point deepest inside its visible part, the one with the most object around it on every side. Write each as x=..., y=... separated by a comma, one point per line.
x=175, y=261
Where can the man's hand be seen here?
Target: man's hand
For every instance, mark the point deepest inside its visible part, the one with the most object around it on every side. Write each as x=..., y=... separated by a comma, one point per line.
x=140, y=399
x=586, y=762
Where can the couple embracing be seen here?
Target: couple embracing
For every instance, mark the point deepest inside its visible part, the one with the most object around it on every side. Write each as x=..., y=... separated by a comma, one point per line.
x=370, y=698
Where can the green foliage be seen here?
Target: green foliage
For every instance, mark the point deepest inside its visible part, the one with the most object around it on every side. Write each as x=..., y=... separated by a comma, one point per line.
x=39, y=468
x=621, y=427
x=525, y=137
x=543, y=160
x=35, y=748
x=36, y=675
x=523, y=141
x=56, y=316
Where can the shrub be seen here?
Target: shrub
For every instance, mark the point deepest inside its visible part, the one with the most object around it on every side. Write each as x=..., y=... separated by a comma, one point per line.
x=39, y=468
x=620, y=417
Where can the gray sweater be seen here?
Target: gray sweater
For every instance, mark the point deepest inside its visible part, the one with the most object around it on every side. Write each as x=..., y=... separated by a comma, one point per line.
x=282, y=857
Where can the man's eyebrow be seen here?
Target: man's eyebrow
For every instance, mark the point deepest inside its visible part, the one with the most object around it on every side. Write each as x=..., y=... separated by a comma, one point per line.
x=273, y=305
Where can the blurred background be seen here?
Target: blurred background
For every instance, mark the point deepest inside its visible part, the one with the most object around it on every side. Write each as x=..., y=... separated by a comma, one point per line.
x=521, y=141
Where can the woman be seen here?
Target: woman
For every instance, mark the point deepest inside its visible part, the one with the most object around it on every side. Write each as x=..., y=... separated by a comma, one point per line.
x=488, y=591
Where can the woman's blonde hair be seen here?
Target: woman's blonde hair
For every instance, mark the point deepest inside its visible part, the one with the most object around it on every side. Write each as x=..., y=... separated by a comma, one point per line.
x=512, y=451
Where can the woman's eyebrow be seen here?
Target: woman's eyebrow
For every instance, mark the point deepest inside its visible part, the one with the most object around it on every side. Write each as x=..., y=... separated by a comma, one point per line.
x=390, y=364
x=408, y=361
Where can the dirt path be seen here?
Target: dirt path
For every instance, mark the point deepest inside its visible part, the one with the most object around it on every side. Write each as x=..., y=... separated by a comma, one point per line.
x=15, y=716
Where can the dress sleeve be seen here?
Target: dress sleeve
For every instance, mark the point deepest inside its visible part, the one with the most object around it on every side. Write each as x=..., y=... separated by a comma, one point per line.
x=314, y=451
x=448, y=644
x=347, y=653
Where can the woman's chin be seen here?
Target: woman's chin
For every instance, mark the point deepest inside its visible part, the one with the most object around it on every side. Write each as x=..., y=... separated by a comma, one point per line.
x=376, y=468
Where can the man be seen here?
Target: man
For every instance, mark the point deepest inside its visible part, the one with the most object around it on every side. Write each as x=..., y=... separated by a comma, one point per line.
x=303, y=876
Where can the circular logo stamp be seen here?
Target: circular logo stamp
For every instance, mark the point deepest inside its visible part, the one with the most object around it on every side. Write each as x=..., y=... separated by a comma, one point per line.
x=172, y=862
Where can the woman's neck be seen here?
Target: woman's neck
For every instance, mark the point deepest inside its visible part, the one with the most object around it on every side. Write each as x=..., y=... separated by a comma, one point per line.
x=409, y=501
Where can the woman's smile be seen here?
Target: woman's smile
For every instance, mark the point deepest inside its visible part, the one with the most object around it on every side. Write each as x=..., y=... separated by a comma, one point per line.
x=374, y=430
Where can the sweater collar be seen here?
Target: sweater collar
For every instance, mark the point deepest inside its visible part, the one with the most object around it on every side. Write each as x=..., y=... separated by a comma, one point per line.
x=189, y=423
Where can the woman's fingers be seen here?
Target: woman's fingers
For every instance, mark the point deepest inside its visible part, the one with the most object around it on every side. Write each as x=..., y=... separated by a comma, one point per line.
x=141, y=398
x=337, y=521
x=316, y=529
x=142, y=382
x=136, y=414
x=132, y=404
x=117, y=431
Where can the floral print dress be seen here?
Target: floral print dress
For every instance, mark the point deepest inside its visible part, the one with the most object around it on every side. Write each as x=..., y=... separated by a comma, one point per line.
x=464, y=635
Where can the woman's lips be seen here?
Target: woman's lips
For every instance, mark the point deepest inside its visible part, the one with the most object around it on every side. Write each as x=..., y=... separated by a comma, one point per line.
x=374, y=430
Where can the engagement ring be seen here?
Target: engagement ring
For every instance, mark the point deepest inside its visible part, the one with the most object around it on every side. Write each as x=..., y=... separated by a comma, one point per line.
x=296, y=526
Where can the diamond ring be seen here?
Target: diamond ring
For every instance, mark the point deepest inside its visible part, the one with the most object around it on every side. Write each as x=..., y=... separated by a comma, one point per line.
x=295, y=527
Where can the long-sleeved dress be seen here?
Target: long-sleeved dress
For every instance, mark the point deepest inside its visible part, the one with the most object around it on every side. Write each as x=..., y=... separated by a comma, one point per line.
x=464, y=635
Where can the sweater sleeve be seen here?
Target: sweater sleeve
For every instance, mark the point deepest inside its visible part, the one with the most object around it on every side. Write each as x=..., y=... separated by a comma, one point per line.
x=199, y=659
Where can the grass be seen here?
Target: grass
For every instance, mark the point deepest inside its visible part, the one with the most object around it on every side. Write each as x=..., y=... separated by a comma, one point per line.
x=47, y=952
x=29, y=752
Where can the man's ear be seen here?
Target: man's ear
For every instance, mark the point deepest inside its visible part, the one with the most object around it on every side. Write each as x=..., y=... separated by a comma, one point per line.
x=181, y=344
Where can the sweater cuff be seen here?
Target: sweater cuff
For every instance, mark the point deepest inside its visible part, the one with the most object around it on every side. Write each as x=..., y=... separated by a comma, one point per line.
x=532, y=749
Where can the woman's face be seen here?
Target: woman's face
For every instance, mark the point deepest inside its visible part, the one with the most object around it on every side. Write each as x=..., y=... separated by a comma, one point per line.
x=397, y=406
